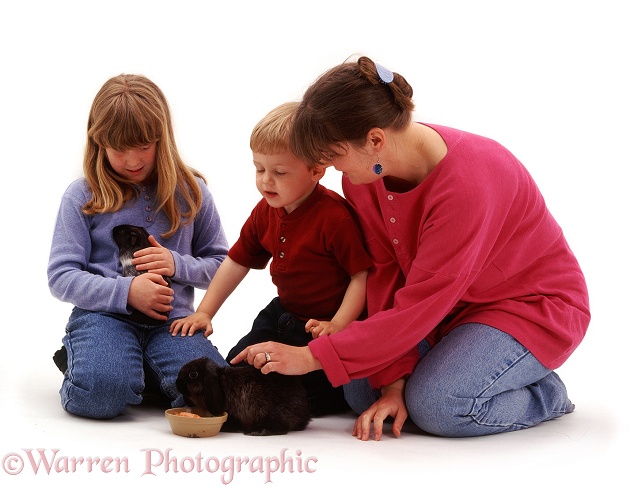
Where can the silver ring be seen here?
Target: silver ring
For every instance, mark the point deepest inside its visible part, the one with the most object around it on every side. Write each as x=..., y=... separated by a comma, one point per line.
x=267, y=357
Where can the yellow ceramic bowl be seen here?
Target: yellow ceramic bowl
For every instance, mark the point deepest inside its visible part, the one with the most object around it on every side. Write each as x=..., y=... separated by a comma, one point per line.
x=204, y=426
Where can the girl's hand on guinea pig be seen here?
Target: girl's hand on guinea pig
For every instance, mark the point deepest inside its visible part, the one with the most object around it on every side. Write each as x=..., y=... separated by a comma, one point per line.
x=156, y=259
x=150, y=295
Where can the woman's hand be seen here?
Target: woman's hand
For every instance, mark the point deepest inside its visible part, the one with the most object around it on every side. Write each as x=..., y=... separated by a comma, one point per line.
x=156, y=259
x=149, y=294
x=277, y=357
x=391, y=403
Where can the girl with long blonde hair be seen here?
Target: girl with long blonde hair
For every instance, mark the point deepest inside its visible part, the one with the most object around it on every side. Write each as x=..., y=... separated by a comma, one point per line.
x=133, y=175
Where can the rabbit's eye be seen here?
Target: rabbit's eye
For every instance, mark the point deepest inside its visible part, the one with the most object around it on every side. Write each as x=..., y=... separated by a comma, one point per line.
x=193, y=375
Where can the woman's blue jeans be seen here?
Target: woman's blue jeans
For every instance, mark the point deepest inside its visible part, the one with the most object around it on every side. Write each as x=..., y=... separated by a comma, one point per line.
x=476, y=381
x=106, y=357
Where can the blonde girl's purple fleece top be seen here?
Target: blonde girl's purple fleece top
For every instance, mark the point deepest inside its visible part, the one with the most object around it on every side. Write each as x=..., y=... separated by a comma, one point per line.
x=474, y=242
x=84, y=269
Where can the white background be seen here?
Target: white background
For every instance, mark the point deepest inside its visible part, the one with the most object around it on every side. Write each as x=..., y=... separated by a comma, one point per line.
x=547, y=79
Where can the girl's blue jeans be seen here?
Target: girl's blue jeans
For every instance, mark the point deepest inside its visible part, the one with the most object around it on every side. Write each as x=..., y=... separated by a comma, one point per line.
x=106, y=358
x=476, y=381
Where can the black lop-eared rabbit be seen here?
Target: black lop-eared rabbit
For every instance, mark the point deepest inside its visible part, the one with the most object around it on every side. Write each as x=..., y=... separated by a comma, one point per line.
x=129, y=239
x=257, y=404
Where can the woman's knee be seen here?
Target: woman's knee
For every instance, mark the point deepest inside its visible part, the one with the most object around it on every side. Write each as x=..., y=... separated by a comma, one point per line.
x=435, y=409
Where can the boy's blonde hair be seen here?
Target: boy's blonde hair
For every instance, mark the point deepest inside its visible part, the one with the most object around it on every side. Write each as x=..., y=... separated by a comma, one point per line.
x=130, y=111
x=272, y=134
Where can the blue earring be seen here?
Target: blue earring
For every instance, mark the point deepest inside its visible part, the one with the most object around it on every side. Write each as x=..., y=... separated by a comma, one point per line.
x=377, y=168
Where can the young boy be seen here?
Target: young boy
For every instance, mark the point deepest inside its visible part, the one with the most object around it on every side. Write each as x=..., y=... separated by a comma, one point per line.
x=317, y=252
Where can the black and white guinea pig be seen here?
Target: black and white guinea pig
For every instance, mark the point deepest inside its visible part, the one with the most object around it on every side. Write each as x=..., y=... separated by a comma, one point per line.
x=257, y=404
x=131, y=238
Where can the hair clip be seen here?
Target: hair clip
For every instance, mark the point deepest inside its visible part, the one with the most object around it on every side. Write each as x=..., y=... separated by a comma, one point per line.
x=385, y=74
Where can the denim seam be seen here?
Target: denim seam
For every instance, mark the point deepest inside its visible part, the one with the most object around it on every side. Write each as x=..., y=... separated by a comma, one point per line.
x=70, y=356
x=474, y=402
x=166, y=389
x=503, y=372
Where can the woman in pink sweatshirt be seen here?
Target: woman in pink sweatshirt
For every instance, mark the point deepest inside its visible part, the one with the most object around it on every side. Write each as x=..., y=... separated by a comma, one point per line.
x=474, y=296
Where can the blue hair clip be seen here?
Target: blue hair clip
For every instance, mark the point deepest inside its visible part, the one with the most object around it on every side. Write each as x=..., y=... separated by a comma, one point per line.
x=385, y=74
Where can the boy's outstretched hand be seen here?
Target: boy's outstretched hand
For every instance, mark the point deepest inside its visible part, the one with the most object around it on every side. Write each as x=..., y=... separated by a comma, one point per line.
x=320, y=328
x=190, y=324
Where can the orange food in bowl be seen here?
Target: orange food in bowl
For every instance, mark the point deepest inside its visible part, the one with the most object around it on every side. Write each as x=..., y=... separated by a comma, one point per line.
x=187, y=414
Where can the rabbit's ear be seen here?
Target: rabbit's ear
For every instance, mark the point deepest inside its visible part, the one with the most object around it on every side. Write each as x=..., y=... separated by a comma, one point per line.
x=213, y=393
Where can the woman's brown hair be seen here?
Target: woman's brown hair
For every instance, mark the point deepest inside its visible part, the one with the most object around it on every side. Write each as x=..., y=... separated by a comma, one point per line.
x=343, y=104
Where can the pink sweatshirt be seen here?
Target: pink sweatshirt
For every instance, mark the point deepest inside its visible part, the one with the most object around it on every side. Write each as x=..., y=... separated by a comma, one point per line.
x=474, y=242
